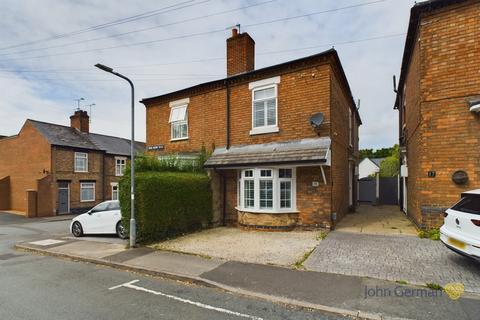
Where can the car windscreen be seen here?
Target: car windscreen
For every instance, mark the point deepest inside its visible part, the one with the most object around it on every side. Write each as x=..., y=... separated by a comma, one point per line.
x=468, y=204
x=114, y=205
x=100, y=207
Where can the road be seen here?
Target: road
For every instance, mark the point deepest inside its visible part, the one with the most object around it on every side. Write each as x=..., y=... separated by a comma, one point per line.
x=41, y=287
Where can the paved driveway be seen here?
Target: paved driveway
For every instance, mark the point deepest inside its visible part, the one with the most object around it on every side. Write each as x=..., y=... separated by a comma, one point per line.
x=394, y=257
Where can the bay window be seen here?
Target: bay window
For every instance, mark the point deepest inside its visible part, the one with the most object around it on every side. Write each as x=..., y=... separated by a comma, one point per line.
x=267, y=190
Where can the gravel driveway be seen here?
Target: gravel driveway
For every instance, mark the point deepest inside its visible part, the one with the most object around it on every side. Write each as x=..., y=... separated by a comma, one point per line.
x=278, y=248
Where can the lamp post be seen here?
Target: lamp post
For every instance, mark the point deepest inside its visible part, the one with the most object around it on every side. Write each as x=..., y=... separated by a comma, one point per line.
x=133, y=230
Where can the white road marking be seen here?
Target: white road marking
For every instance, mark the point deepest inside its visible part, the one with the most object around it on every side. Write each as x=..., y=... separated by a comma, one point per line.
x=194, y=303
x=46, y=242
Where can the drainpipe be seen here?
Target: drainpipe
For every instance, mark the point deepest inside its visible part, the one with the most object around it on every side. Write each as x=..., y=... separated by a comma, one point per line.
x=228, y=114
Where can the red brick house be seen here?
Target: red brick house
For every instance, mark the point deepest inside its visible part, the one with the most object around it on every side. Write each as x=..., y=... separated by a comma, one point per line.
x=284, y=138
x=438, y=95
x=49, y=169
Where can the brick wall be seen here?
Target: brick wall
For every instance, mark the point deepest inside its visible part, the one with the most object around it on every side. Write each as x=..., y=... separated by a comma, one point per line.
x=25, y=158
x=5, y=193
x=342, y=151
x=300, y=94
x=64, y=170
x=442, y=134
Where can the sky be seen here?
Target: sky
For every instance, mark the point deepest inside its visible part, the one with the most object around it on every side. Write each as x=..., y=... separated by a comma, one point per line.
x=48, y=49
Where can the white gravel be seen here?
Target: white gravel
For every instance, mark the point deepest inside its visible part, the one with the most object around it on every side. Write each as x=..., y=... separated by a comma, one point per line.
x=278, y=248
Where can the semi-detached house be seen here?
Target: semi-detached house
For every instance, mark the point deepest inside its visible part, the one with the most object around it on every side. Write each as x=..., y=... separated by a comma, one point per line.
x=284, y=138
x=49, y=169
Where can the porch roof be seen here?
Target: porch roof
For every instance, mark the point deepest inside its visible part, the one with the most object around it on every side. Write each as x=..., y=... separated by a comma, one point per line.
x=304, y=151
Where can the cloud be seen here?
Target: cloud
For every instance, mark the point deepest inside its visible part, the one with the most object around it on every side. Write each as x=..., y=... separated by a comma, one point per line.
x=50, y=96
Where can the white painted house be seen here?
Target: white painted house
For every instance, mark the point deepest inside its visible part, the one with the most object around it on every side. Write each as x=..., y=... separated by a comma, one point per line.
x=369, y=167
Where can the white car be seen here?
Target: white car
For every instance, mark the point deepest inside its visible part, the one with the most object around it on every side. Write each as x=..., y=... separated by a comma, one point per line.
x=104, y=218
x=461, y=229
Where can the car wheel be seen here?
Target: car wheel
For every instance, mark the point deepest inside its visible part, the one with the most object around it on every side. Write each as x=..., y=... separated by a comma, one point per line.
x=77, y=229
x=121, y=231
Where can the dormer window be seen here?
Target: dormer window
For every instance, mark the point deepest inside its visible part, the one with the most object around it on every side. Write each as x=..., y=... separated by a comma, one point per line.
x=264, y=106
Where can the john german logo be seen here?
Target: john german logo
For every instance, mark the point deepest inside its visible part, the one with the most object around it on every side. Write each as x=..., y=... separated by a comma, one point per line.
x=453, y=290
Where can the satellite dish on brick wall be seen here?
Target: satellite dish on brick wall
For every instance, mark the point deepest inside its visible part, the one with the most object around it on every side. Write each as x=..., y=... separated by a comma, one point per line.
x=316, y=120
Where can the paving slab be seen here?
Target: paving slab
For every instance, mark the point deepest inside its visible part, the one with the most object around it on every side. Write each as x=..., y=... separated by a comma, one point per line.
x=88, y=249
x=169, y=262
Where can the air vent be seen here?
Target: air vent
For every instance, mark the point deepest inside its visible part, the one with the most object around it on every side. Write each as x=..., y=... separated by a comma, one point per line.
x=316, y=120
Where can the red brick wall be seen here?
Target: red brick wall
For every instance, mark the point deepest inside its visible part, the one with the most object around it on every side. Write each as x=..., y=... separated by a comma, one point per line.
x=342, y=151
x=300, y=94
x=442, y=134
x=64, y=170
x=25, y=158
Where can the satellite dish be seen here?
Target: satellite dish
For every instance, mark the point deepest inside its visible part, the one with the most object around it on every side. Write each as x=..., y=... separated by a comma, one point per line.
x=316, y=120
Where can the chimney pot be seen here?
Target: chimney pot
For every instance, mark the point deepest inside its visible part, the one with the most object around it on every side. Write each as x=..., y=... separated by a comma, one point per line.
x=234, y=32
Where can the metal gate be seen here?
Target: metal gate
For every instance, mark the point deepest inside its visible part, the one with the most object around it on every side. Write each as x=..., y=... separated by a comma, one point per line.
x=387, y=192
x=367, y=190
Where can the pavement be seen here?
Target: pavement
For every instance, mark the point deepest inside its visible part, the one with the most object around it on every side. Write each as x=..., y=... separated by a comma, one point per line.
x=322, y=291
x=43, y=287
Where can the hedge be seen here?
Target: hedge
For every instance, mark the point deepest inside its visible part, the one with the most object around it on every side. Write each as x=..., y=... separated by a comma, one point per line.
x=167, y=203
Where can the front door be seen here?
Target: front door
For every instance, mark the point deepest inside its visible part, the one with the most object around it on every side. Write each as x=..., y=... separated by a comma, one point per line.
x=63, y=197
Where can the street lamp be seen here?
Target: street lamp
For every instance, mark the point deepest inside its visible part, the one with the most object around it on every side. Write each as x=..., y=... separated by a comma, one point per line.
x=133, y=230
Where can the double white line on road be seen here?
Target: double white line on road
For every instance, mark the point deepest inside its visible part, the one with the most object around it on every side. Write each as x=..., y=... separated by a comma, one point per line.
x=194, y=303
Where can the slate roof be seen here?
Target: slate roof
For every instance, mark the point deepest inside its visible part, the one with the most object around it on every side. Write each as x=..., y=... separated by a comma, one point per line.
x=377, y=161
x=310, y=150
x=64, y=136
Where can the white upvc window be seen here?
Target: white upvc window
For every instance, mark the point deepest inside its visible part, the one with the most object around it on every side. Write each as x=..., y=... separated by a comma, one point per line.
x=264, y=106
x=267, y=190
x=87, y=191
x=179, y=119
x=81, y=162
x=114, y=190
x=120, y=165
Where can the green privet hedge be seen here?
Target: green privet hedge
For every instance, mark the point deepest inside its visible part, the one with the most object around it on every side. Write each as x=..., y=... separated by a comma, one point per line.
x=167, y=203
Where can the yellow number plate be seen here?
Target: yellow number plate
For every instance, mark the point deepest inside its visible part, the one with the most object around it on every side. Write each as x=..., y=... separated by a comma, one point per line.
x=456, y=243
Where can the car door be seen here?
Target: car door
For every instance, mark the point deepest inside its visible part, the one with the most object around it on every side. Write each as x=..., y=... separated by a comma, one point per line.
x=96, y=218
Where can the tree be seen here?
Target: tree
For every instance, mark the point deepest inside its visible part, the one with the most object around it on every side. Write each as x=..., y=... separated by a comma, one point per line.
x=390, y=166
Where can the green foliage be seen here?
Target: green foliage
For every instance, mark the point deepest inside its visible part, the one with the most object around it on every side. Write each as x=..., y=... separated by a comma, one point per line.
x=390, y=166
x=378, y=153
x=433, y=234
x=434, y=286
x=167, y=203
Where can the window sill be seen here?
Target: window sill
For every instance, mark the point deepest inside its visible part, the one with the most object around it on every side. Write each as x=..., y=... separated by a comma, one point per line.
x=80, y=171
x=179, y=139
x=87, y=201
x=260, y=211
x=263, y=130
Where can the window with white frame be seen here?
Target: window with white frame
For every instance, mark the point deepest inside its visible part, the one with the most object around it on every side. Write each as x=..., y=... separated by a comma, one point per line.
x=81, y=162
x=264, y=105
x=87, y=191
x=120, y=165
x=179, y=122
x=267, y=190
x=114, y=191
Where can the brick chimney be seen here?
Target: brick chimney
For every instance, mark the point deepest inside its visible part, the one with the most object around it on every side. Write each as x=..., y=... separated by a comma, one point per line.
x=240, y=53
x=80, y=121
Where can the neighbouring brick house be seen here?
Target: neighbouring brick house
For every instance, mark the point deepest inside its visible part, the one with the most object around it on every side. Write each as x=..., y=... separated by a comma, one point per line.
x=284, y=138
x=48, y=169
x=438, y=90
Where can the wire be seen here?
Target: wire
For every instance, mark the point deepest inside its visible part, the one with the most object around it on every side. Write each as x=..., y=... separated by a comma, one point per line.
x=110, y=24
x=141, y=30
x=194, y=34
x=212, y=59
